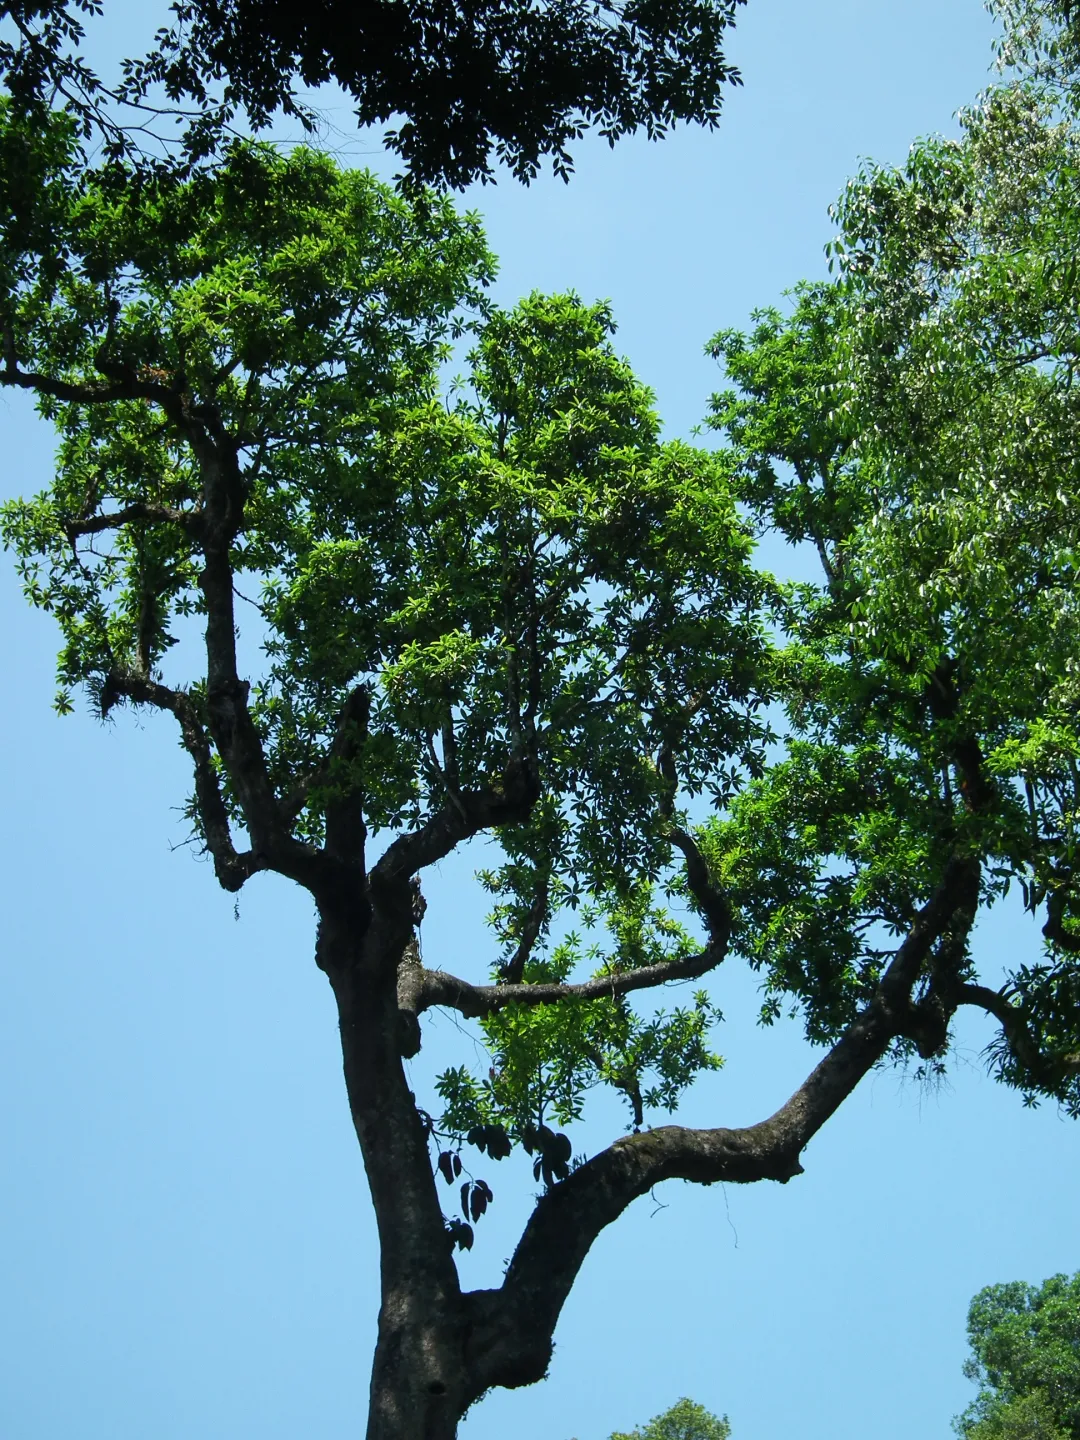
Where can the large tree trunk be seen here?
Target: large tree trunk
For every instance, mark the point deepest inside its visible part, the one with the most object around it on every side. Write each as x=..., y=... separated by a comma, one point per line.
x=419, y=1384
x=411, y=1398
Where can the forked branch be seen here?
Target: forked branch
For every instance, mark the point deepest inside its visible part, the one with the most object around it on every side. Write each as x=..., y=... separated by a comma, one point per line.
x=513, y=1326
x=509, y=801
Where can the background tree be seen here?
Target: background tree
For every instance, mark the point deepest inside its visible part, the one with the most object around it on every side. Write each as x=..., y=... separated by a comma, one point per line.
x=504, y=79
x=686, y=1420
x=1025, y=1343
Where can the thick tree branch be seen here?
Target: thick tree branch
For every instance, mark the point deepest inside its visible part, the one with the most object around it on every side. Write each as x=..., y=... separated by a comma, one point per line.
x=231, y=725
x=710, y=900
x=147, y=511
x=104, y=392
x=345, y=829
x=512, y=1327
x=214, y=526
x=949, y=913
x=507, y=802
x=976, y=786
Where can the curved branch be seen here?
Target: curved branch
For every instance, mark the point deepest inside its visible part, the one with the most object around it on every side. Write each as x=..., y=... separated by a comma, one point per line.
x=477, y=1001
x=146, y=510
x=230, y=722
x=533, y=924
x=1051, y=1068
x=1054, y=929
x=130, y=387
x=507, y=802
x=711, y=900
x=512, y=1327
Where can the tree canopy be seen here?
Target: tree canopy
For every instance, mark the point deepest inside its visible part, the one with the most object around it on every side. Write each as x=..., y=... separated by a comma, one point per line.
x=391, y=613
x=1025, y=1357
x=686, y=1420
x=503, y=80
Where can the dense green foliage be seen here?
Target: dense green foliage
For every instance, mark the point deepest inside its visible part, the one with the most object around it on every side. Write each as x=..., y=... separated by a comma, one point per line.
x=518, y=562
x=915, y=422
x=684, y=1421
x=502, y=80
x=520, y=565
x=395, y=613
x=508, y=76
x=1025, y=1343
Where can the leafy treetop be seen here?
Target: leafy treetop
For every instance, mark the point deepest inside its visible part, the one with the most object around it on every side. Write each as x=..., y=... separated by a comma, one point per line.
x=1025, y=1343
x=390, y=614
x=914, y=422
x=686, y=1420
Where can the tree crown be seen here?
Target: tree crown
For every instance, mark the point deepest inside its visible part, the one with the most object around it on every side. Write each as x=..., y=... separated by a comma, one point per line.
x=1025, y=1357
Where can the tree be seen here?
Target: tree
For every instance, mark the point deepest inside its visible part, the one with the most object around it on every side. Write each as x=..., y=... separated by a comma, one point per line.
x=474, y=614
x=506, y=76
x=1025, y=1343
x=684, y=1421
x=508, y=609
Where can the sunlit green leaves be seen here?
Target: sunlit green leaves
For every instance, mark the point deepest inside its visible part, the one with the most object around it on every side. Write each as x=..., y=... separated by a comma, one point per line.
x=915, y=422
x=511, y=564
x=546, y=1059
x=1025, y=1343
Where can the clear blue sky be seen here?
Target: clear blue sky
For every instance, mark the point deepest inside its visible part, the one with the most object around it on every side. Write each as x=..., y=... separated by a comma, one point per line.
x=186, y=1248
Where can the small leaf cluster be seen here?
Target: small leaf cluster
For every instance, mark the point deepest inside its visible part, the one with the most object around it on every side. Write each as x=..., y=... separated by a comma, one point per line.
x=545, y=1060
x=686, y=1420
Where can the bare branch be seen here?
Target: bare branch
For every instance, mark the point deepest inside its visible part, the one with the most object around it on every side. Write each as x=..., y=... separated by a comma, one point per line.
x=476, y=1001
x=232, y=868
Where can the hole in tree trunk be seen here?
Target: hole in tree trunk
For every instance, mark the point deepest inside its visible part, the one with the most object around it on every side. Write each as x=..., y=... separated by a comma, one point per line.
x=436, y=1388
